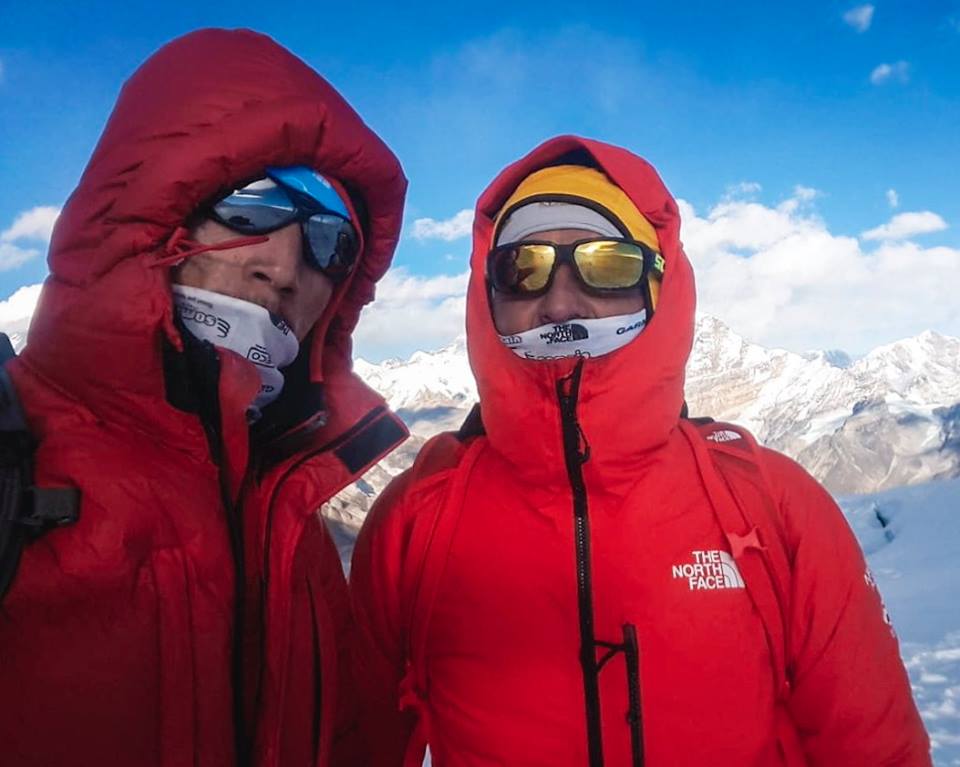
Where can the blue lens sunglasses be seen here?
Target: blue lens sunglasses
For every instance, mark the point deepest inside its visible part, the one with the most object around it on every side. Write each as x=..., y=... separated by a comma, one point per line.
x=295, y=194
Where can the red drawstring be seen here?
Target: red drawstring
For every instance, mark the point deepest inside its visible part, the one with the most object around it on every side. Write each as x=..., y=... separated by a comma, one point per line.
x=180, y=247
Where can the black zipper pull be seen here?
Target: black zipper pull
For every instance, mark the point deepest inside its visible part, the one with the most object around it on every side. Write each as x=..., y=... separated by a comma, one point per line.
x=634, y=714
x=568, y=395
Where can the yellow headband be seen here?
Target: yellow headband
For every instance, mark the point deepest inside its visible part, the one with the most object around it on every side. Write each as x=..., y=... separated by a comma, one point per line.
x=595, y=188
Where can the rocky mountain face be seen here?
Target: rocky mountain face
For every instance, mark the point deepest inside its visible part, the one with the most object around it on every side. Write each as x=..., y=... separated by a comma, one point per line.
x=888, y=419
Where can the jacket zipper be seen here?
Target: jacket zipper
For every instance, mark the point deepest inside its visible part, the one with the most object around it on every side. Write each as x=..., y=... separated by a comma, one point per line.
x=268, y=534
x=576, y=452
x=210, y=419
x=234, y=521
x=568, y=391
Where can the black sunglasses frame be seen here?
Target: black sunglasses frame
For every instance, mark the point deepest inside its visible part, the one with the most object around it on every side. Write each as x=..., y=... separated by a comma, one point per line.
x=304, y=209
x=564, y=254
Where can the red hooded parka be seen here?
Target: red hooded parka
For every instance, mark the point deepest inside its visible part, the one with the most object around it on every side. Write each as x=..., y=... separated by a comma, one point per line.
x=583, y=518
x=196, y=613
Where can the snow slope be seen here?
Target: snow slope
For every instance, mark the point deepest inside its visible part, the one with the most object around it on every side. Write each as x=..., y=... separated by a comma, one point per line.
x=911, y=537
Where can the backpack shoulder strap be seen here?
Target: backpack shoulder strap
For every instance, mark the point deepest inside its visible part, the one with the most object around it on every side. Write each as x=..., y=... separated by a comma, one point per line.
x=730, y=466
x=425, y=561
x=26, y=512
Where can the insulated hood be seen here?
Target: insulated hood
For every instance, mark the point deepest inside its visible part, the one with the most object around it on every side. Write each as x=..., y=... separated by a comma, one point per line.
x=206, y=112
x=630, y=399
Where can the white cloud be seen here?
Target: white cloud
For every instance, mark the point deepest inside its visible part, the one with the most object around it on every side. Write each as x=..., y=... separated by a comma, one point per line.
x=17, y=310
x=860, y=17
x=893, y=199
x=774, y=273
x=778, y=276
x=449, y=229
x=802, y=197
x=742, y=227
x=31, y=226
x=411, y=312
x=742, y=189
x=34, y=224
x=899, y=72
x=905, y=225
x=12, y=256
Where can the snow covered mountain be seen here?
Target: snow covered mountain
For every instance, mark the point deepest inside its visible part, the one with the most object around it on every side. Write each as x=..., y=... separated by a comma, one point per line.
x=889, y=419
x=431, y=391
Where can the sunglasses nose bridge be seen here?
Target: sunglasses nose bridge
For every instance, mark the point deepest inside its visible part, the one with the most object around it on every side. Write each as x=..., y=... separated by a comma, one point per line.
x=564, y=300
x=560, y=262
x=563, y=254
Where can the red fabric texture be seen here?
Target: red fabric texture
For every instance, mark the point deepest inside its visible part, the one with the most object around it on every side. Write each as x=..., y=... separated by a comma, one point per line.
x=502, y=682
x=117, y=634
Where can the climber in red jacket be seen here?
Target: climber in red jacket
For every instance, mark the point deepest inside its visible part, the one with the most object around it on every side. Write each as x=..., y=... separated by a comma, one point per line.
x=188, y=371
x=582, y=576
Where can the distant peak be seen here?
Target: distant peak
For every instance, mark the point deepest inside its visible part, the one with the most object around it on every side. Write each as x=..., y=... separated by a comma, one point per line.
x=709, y=321
x=836, y=358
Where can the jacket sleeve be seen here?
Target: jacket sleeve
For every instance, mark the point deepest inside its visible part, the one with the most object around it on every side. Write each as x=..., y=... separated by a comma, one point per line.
x=375, y=587
x=851, y=700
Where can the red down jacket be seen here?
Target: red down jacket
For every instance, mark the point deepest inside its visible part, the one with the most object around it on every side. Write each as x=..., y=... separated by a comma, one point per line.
x=500, y=680
x=122, y=640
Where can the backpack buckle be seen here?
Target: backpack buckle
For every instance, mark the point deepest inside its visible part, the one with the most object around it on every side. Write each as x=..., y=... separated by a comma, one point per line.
x=48, y=507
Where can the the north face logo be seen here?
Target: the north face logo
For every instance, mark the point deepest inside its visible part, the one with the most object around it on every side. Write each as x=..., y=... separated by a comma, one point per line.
x=564, y=334
x=723, y=435
x=709, y=570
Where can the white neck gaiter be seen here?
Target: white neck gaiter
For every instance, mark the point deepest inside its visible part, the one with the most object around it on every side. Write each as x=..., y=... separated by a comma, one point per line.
x=242, y=327
x=577, y=338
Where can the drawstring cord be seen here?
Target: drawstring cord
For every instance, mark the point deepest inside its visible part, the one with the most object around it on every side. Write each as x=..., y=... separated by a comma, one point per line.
x=180, y=247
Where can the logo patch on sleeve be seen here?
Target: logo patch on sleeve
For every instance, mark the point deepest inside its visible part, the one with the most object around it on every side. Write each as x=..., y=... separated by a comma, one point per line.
x=723, y=435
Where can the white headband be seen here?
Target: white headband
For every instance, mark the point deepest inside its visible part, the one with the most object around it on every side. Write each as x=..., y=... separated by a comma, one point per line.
x=546, y=216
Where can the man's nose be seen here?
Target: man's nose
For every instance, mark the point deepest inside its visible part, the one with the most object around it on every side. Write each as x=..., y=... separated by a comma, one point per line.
x=278, y=262
x=565, y=300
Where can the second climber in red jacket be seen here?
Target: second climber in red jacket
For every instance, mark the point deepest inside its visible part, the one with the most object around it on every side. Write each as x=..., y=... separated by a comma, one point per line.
x=188, y=372
x=582, y=576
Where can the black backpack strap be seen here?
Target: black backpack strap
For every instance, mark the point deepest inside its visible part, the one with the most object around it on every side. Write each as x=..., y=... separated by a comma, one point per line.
x=26, y=512
x=472, y=425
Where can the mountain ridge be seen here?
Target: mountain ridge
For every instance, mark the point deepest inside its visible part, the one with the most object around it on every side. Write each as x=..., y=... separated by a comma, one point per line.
x=859, y=425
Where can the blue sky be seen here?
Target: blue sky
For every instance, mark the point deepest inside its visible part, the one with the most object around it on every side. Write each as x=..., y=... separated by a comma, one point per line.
x=856, y=105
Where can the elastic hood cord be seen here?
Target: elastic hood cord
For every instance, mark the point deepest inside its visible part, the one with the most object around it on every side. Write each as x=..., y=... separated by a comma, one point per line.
x=180, y=247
